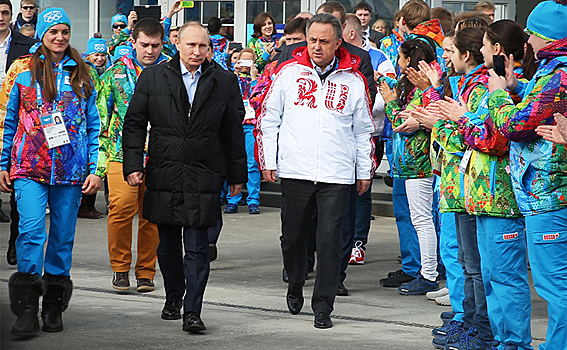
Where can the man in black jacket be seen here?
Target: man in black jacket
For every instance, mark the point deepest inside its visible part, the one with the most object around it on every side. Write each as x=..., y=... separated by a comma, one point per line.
x=195, y=112
x=336, y=9
x=12, y=46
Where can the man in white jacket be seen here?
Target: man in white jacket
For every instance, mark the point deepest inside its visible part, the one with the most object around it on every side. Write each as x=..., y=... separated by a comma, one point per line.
x=315, y=131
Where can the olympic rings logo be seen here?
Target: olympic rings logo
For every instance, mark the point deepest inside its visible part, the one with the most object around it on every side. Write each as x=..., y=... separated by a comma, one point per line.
x=52, y=16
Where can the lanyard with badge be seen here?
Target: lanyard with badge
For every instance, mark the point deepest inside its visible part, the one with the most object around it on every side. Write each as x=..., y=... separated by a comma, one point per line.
x=52, y=123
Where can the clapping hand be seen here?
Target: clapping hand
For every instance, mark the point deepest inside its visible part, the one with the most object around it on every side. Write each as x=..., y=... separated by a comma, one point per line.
x=387, y=93
x=451, y=109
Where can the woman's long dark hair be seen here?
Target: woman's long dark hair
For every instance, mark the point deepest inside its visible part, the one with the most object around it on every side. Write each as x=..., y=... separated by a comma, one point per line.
x=259, y=23
x=42, y=71
x=470, y=39
x=511, y=36
x=417, y=50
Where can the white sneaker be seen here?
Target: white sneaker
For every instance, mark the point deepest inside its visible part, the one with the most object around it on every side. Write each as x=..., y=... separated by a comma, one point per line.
x=443, y=301
x=436, y=294
x=357, y=254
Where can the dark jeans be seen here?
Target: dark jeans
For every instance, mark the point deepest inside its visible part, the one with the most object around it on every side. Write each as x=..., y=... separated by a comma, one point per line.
x=299, y=198
x=184, y=275
x=349, y=223
x=474, y=304
x=363, y=214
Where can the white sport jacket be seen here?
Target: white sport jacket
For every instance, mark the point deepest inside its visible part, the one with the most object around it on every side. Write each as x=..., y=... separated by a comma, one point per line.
x=321, y=132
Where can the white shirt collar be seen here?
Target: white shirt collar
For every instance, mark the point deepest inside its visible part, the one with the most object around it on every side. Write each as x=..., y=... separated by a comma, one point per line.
x=184, y=70
x=328, y=68
x=7, y=39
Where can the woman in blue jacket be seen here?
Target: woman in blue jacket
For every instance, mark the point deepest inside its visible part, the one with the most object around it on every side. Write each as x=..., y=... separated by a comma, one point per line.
x=49, y=149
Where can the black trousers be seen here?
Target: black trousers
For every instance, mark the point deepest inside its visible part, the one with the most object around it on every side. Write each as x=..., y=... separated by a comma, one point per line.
x=299, y=198
x=184, y=275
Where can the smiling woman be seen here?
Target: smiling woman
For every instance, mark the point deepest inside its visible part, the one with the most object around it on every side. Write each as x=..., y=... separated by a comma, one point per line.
x=49, y=154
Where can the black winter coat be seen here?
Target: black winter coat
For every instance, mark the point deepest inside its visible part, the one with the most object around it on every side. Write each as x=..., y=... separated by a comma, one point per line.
x=19, y=46
x=189, y=155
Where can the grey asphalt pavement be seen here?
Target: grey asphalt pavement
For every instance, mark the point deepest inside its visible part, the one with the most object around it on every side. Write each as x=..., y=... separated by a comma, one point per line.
x=244, y=301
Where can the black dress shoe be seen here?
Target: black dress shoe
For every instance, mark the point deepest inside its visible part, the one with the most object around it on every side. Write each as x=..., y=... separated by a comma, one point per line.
x=294, y=304
x=171, y=310
x=322, y=320
x=192, y=323
x=341, y=290
x=11, y=255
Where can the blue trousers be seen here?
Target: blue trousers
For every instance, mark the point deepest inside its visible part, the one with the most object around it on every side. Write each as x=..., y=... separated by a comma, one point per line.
x=502, y=246
x=254, y=177
x=547, y=247
x=64, y=201
x=449, y=251
x=409, y=245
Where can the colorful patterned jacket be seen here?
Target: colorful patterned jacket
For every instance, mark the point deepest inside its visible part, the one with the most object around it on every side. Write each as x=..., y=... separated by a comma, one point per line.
x=117, y=86
x=538, y=167
x=23, y=148
x=390, y=45
x=220, y=45
x=488, y=188
x=246, y=85
x=259, y=45
x=411, y=151
x=452, y=184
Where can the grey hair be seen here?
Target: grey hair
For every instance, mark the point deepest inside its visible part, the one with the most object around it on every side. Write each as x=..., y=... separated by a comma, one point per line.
x=326, y=18
x=192, y=24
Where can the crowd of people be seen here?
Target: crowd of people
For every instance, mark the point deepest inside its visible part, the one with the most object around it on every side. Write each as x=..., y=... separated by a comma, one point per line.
x=174, y=121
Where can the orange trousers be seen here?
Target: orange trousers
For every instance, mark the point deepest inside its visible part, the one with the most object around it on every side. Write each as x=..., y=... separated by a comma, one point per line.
x=125, y=202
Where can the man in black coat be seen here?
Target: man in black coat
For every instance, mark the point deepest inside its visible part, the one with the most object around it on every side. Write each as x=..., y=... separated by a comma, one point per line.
x=195, y=112
x=336, y=9
x=12, y=46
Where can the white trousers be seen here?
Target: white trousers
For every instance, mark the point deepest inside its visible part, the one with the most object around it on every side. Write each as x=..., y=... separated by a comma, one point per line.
x=420, y=199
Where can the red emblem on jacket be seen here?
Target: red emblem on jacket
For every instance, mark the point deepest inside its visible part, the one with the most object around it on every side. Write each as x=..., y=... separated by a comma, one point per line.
x=305, y=92
x=331, y=91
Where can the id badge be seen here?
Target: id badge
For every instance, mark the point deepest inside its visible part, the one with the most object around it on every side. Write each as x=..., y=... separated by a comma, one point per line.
x=250, y=113
x=438, y=163
x=465, y=161
x=54, y=130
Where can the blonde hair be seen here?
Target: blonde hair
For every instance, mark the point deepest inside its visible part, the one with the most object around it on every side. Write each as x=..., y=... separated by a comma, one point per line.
x=249, y=50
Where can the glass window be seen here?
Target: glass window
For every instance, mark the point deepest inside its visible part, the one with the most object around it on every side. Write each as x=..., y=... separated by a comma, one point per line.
x=381, y=9
x=227, y=9
x=210, y=9
x=106, y=10
x=292, y=8
x=275, y=8
x=193, y=14
x=79, y=14
x=253, y=9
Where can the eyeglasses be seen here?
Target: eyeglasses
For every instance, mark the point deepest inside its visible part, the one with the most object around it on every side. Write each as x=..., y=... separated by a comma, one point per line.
x=116, y=26
x=28, y=8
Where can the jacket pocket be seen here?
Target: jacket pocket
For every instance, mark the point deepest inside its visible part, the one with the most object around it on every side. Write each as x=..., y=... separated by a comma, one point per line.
x=512, y=236
x=549, y=237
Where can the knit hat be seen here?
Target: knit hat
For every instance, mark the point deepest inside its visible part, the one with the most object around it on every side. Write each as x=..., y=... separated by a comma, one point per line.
x=118, y=18
x=95, y=45
x=50, y=17
x=545, y=20
x=121, y=51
